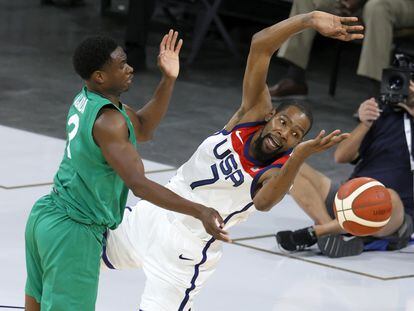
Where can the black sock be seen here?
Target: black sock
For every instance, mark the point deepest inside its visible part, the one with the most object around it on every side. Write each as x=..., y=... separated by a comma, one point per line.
x=296, y=73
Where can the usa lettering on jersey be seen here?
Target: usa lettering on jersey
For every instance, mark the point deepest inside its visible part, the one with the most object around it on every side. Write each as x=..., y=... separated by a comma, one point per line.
x=228, y=167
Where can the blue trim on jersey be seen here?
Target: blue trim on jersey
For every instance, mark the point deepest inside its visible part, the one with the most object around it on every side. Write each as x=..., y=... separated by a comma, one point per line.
x=378, y=245
x=257, y=177
x=204, y=259
x=104, y=256
x=247, y=124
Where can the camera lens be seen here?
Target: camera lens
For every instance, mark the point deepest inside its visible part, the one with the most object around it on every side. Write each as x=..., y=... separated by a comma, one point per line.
x=395, y=83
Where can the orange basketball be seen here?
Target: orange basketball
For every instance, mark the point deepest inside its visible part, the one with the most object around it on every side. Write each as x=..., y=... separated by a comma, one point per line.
x=362, y=206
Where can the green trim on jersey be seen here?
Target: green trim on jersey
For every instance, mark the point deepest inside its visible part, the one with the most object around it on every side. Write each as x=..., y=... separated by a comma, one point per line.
x=85, y=185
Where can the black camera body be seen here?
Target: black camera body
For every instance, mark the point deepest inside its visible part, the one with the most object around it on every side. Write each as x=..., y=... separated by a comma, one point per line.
x=395, y=82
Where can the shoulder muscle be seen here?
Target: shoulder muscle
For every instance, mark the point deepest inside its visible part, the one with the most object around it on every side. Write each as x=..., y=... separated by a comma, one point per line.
x=109, y=125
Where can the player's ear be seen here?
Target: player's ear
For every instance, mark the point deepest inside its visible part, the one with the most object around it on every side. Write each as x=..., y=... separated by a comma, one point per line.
x=98, y=77
x=270, y=115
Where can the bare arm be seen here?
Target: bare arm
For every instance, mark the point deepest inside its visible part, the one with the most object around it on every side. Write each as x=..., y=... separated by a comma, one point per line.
x=275, y=183
x=348, y=150
x=111, y=134
x=265, y=43
x=147, y=119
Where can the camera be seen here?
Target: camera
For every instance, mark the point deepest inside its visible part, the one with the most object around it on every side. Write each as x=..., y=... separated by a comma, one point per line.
x=395, y=82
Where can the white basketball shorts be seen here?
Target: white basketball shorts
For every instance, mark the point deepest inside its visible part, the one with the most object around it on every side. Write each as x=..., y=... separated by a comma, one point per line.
x=175, y=261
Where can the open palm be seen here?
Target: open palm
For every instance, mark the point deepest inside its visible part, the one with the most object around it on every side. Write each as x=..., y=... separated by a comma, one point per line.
x=320, y=142
x=168, y=59
x=336, y=27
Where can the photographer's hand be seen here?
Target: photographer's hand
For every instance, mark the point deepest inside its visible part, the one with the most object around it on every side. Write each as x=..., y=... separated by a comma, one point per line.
x=409, y=104
x=368, y=112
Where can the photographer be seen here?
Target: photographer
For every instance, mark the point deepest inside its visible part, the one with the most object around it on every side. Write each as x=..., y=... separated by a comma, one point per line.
x=381, y=18
x=381, y=146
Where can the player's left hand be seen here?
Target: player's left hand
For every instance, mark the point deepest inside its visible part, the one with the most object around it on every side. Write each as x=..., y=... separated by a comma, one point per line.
x=214, y=224
x=320, y=143
x=168, y=59
x=336, y=27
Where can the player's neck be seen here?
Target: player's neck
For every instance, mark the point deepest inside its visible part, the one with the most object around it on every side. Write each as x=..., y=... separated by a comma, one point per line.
x=114, y=98
x=252, y=151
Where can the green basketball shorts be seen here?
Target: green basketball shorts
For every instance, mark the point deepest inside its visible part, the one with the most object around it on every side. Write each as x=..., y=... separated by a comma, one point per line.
x=62, y=259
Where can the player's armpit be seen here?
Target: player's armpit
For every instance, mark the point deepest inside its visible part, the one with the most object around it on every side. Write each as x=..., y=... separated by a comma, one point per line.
x=137, y=122
x=255, y=114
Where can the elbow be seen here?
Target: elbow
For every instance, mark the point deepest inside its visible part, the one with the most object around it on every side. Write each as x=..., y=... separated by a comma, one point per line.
x=144, y=137
x=138, y=187
x=256, y=43
x=262, y=208
x=340, y=158
x=255, y=38
x=263, y=205
x=136, y=190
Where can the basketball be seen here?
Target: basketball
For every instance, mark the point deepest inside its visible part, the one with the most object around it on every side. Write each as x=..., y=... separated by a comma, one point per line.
x=362, y=206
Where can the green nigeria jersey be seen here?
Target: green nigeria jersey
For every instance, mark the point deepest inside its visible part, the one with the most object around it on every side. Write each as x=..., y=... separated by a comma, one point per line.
x=85, y=185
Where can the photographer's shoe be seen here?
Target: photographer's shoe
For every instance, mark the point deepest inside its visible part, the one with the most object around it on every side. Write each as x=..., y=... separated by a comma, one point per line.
x=401, y=238
x=296, y=240
x=337, y=245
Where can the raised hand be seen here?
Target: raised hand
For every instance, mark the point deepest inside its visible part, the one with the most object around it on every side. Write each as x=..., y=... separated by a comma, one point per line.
x=336, y=27
x=168, y=59
x=368, y=112
x=213, y=223
x=320, y=143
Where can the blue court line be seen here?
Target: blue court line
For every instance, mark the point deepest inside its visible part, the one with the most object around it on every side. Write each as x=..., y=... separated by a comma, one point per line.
x=11, y=307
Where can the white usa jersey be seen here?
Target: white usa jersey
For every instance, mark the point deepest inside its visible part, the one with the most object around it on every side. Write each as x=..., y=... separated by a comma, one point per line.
x=221, y=174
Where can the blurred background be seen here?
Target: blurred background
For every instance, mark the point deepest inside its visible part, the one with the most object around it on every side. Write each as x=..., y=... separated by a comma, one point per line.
x=38, y=82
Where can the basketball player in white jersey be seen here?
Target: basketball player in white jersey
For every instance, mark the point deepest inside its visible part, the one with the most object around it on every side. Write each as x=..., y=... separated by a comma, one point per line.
x=246, y=166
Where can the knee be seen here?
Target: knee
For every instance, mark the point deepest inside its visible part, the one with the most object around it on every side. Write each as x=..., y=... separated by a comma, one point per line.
x=397, y=206
x=376, y=9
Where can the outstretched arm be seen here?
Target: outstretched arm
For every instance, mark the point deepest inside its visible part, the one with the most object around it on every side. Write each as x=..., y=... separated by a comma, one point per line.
x=148, y=117
x=348, y=150
x=110, y=132
x=266, y=42
x=275, y=183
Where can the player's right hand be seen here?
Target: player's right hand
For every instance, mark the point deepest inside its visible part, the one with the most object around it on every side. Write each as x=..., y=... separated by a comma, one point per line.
x=368, y=112
x=336, y=27
x=214, y=224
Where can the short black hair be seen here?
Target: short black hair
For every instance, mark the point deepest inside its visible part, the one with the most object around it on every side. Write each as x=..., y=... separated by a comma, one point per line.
x=92, y=54
x=301, y=105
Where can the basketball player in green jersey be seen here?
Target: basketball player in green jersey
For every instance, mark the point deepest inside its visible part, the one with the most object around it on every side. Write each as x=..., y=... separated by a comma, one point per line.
x=64, y=232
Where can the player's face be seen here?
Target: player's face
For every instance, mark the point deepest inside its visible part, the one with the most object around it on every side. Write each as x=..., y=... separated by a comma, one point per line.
x=118, y=74
x=282, y=132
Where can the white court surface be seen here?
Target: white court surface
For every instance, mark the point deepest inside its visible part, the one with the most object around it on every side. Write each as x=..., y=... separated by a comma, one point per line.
x=252, y=276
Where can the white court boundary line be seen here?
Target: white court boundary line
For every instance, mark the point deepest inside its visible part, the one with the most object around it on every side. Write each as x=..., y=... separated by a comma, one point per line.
x=238, y=243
